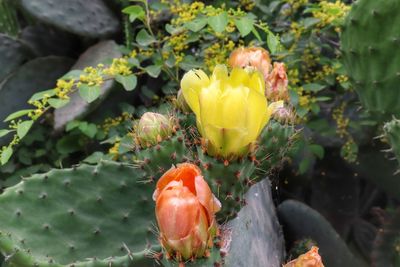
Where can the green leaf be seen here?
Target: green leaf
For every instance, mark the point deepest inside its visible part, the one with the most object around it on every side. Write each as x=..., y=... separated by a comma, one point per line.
x=273, y=42
x=196, y=24
x=89, y=129
x=143, y=38
x=23, y=128
x=18, y=114
x=134, y=12
x=244, y=25
x=58, y=103
x=73, y=74
x=89, y=93
x=304, y=165
x=317, y=150
x=219, y=22
x=72, y=125
x=153, y=70
x=6, y=155
x=310, y=22
x=256, y=34
x=43, y=94
x=313, y=87
x=4, y=132
x=128, y=82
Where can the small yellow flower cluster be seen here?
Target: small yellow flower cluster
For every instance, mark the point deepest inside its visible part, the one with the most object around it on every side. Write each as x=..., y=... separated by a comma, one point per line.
x=349, y=150
x=341, y=122
x=297, y=30
x=146, y=52
x=342, y=78
x=218, y=53
x=114, y=150
x=110, y=123
x=185, y=12
x=91, y=76
x=63, y=88
x=321, y=74
x=331, y=13
x=247, y=5
x=293, y=76
x=305, y=98
x=119, y=66
x=295, y=5
x=178, y=43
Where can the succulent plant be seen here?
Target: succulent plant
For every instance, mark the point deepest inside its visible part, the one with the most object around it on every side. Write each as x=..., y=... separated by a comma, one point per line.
x=369, y=43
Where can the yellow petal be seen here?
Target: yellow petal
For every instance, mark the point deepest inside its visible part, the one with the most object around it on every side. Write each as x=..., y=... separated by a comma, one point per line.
x=233, y=107
x=256, y=115
x=238, y=77
x=191, y=84
x=257, y=82
x=220, y=73
x=210, y=105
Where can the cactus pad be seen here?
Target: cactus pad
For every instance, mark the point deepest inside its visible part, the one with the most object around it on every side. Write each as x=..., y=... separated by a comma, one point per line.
x=229, y=181
x=159, y=158
x=85, y=216
x=370, y=44
x=275, y=141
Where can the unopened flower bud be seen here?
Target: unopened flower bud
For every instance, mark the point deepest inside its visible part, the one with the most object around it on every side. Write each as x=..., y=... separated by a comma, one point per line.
x=152, y=129
x=277, y=83
x=255, y=57
x=284, y=115
x=185, y=212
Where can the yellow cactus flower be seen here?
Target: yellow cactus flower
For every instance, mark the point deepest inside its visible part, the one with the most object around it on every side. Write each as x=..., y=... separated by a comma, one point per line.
x=231, y=109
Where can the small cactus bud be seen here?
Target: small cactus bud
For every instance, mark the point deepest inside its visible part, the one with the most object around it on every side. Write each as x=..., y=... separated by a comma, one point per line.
x=152, y=129
x=277, y=83
x=284, y=115
x=185, y=212
x=309, y=259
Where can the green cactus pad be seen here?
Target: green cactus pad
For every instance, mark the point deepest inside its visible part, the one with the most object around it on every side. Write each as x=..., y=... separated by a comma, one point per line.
x=78, y=107
x=12, y=54
x=159, y=158
x=275, y=141
x=229, y=181
x=385, y=251
x=85, y=18
x=300, y=221
x=370, y=43
x=84, y=216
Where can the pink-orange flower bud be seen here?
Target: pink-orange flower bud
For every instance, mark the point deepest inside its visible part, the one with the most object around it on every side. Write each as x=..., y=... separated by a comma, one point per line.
x=185, y=212
x=255, y=57
x=277, y=83
x=309, y=259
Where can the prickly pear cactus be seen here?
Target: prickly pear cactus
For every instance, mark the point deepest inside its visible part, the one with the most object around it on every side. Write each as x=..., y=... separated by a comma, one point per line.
x=229, y=180
x=392, y=133
x=275, y=141
x=85, y=216
x=370, y=43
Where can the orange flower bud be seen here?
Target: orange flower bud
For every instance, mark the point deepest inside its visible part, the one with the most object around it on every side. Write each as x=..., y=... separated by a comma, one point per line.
x=185, y=212
x=277, y=83
x=255, y=57
x=309, y=259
